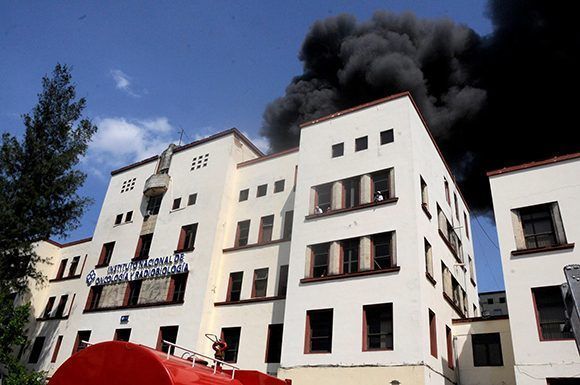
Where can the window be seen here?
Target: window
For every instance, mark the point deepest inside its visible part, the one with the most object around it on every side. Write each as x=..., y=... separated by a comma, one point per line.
x=83, y=336
x=378, y=327
x=288, y=218
x=266, y=226
x=383, y=256
x=235, y=286
x=260, y=283
x=187, y=237
x=433, y=333
x=94, y=297
x=134, y=289
x=169, y=334
x=447, y=196
x=274, y=343
x=351, y=190
x=456, y=206
x=538, y=224
x=501, y=299
x=320, y=259
x=387, y=136
x=143, y=246
x=490, y=301
x=154, y=204
x=471, y=270
x=128, y=185
x=106, y=254
x=323, y=197
x=176, y=203
x=361, y=143
x=283, y=281
x=449, y=339
x=129, y=216
x=48, y=307
x=192, y=199
x=232, y=338
x=262, y=190
x=381, y=183
x=448, y=233
x=318, y=331
x=56, y=349
x=337, y=150
x=486, y=349
x=177, y=285
x=36, y=350
x=61, y=306
x=242, y=233
x=119, y=219
x=350, y=251
x=279, y=185
x=199, y=162
x=61, y=268
x=122, y=335
x=550, y=313
x=244, y=195
x=429, y=258
x=424, y=194
x=466, y=224
x=73, y=266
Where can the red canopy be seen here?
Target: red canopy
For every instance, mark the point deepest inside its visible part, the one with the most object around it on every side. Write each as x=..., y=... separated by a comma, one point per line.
x=125, y=363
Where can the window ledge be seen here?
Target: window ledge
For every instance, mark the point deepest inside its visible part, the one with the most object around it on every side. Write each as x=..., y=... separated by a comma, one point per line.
x=122, y=223
x=250, y=300
x=351, y=275
x=178, y=209
x=449, y=246
x=426, y=211
x=65, y=278
x=378, y=350
x=64, y=317
x=184, y=250
x=454, y=306
x=101, y=265
x=359, y=207
x=251, y=245
x=430, y=279
x=140, y=305
x=535, y=250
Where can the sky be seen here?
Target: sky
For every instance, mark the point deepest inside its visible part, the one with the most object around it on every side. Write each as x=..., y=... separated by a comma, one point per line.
x=151, y=68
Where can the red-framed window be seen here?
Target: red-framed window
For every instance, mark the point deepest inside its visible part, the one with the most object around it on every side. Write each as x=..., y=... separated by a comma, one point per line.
x=82, y=337
x=318, y=331
x=378, y=327
x=320, y=259
x=266, y=229
x=242, y=233
x=274, y=343
x=235, y=286
x=260, y=284
x=550, y=313
x=433, y=333
x=232, y=338
x=57, y=346
x=106, y=254
x=169, y=334
x=187, y=237
x=449, y=339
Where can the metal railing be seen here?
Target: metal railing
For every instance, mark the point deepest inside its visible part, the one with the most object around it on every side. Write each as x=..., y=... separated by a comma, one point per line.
x=194, y=355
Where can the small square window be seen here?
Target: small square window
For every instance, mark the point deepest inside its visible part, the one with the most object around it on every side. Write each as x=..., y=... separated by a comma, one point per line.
x=490, y=301
x=118, y=219
x=337, y=150
x=501, y=299
x=176, y=203
x=262, y=190
x=244, y=195
x=387, y=136
x=361, y=143
x=129, y=216
x=192, y=199
x=279, y=186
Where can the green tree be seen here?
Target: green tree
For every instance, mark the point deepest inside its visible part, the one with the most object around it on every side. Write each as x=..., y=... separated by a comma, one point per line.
x=39, y=180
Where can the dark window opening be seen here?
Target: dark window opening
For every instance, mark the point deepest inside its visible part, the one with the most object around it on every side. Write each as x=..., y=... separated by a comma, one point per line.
x=361, y=143
x=122, y=335
x=232, y=337
x=83, y=336
x=267, y=225
x=288, y=218
x=449, y=340
x=48, y=308
x=154, y=204
x=187, y=237
x=192, y=199
x=323, y=198
x=337, y=150
x=381, y=183
x=176, y=203
x=94, y=297
x=466, y=224
x=382, y=251
x=144, y=246
x=243, y=233
x=447, y=196
x=424, y=194
x=274, y=344
x=260, y=283
x=378, y=326
x=73, y=266
x=119, y=219
x=235, y=286
x=61, y=268
x=283, y=281
x=387, y=136
x=57, y=346
x=486, y=349
x=36, y=350
x=351, y=188
x=350, y=255
x=501, y=299
x=169, y=334
x=106, y=253
x=319, y=331
x=550, y=312
x=279, y=185
x=320, y=259
x=177, y=287
x=134, y=291
x=61, y=306
x=129, y=216
x=490, y=301
x=433, y=333
x=244, y=195
x=262, y=190
x=538, y=226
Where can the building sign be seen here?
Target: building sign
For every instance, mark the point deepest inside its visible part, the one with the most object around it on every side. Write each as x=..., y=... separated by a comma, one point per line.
x=138, y=270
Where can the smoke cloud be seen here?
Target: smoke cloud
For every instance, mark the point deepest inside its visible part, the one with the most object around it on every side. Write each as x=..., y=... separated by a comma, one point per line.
x=491, y=101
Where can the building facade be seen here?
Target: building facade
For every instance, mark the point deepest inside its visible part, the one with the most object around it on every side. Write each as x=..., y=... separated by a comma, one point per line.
x=347, y=256
x=493, y=303
x=538, y=222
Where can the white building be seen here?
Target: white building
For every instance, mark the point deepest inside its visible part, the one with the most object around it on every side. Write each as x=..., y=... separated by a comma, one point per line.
x=346, y=257
x=538, y=222
x=493, y=303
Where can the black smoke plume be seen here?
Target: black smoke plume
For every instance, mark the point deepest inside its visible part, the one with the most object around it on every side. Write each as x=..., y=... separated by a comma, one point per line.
x=491, y=101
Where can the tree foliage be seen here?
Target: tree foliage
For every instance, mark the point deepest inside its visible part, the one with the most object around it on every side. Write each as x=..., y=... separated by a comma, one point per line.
x=39, y=180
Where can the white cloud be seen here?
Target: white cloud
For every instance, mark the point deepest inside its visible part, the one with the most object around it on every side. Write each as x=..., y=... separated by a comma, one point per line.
x=120, y=141
x=123, y=82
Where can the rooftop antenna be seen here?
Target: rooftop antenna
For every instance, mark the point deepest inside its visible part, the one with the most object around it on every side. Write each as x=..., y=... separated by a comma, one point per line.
x=181, y=132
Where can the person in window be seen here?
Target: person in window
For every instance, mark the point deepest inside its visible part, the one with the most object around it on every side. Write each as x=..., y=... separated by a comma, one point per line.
x=318, y=210
x=378, y=196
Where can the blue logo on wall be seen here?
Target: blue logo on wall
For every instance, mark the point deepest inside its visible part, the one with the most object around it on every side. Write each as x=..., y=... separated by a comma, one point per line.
x=91, y=277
